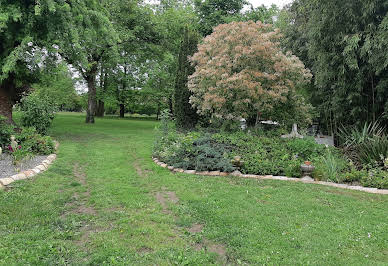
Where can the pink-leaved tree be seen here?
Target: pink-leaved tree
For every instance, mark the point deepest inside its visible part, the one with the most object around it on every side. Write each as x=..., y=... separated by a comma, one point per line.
x=242, y=72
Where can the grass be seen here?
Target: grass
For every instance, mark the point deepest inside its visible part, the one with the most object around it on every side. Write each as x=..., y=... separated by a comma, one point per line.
x=104, y=201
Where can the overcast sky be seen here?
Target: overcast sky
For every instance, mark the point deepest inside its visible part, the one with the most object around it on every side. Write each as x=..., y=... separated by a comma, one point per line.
x=268, y=3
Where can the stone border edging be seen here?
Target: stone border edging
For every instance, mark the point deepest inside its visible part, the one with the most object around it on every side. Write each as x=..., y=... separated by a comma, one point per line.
x=271, y=177
x=43, y=166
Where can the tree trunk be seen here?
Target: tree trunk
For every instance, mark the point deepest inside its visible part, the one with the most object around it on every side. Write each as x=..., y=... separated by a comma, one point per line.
x=6, y=105
x=122, y=110
x=100, y=108
x=92, y=95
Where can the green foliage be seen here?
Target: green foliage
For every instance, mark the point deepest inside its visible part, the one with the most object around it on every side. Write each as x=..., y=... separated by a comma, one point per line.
x=352, y=176
x=20, y=154
x=213, y=12
x=353, y=136
x=376, y=178
x=201, y=154
x=330, y=166
x=37, y=112
x=185, y=115
x=345, y=48
x=35, y=143
x=374, y=151
x=365, y=145
x=6, y=131
x=56, y=84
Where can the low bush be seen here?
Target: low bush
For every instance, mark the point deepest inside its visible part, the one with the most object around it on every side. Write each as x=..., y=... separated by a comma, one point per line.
x=376, y=177
x=37, y=112
x=33, y=142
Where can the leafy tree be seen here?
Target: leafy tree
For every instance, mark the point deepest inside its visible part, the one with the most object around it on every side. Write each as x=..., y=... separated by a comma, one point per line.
x=20, y=25
x=214, y=12
x=344, y=43
x=185, y=115
x=56, y=84
x=241, y=72
x=86, y=37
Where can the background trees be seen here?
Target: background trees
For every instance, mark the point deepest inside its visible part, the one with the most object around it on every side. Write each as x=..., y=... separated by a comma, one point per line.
x=241, y=72
x=343, y=43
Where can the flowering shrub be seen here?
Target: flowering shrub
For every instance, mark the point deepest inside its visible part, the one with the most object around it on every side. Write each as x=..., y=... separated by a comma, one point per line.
x=241, y=72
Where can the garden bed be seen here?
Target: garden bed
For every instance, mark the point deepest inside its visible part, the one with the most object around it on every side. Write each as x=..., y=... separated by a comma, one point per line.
x=264, y=154
x=7, y=167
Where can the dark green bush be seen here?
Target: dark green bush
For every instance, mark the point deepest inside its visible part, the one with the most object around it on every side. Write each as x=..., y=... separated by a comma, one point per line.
x=202, y=154
x=37, y=112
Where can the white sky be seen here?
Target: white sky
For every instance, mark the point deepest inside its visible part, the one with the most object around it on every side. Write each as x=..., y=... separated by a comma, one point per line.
x=268, y=3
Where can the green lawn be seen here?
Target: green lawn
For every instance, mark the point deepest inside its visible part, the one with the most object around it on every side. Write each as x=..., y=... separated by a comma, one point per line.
x=104, y=201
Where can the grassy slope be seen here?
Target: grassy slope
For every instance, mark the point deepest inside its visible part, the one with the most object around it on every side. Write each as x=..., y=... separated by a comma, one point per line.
x=97, y=205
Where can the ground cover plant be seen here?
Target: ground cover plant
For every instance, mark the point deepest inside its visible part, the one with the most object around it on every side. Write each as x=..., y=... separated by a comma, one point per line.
x=104, y=201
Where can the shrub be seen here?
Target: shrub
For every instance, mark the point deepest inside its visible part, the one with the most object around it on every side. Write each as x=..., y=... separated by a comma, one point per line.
x=201, y=154
x=377, y=178
x=35, y=143
x=37, y=112
x=5, y=132
x=352, y=176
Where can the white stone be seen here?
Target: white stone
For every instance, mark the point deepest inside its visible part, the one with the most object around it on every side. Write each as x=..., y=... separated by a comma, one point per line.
x=163, y=165
x=19, y=177
x=36, y=170
x=51, y=157
x=214, y=173
x=41, y=167
x=6, y=181
x=190, y=172
x=307, y=179
x=236, y=173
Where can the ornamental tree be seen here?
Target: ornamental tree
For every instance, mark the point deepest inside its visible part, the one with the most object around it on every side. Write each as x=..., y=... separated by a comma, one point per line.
x=242, y=72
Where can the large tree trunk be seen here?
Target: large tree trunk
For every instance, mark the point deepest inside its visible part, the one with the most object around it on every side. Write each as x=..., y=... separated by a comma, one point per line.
x=92, y=95
x=6, y=104
x=122, y=110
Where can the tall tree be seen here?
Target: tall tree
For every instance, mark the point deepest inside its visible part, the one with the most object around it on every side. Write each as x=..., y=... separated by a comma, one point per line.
x=344, y=43
x=84, y=35
x=241, y=72
x=20, y=26
x=185, y=115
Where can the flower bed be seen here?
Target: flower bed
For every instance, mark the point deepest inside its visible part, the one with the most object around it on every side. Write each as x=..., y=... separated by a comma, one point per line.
x=262, y=155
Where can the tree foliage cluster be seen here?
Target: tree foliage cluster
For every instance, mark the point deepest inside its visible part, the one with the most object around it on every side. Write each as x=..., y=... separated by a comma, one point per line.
x=125, y=51
x=344, y=43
